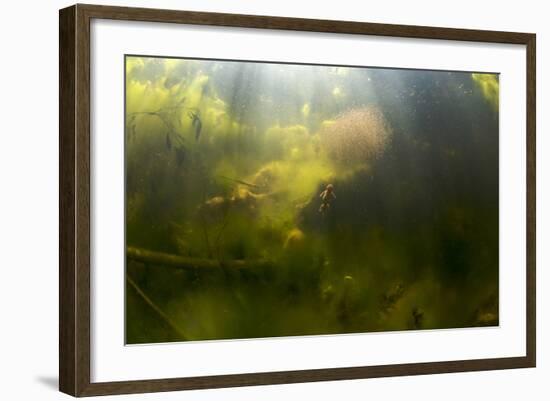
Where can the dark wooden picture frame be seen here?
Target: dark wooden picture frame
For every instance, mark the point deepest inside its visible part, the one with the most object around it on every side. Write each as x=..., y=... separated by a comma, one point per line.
x=74, y=204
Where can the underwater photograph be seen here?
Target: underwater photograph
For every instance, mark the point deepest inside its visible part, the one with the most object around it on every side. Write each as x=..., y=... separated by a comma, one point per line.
x=267, y=199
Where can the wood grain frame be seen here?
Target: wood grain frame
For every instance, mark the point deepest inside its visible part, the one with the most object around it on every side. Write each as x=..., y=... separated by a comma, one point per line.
x=74, y=199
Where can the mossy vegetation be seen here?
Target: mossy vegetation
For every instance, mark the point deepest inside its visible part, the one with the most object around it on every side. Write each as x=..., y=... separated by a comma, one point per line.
x=225, y=165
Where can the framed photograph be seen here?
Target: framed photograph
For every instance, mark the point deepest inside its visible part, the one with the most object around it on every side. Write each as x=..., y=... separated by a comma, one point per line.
x=251, y=200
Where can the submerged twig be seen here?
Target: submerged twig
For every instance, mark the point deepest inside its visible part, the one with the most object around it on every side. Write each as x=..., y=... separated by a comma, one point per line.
x=240, y=182
x=162, y=115
x=201, y=212
x=217, y=243
x=205, y=233
x=157, y=310
x=189, y=263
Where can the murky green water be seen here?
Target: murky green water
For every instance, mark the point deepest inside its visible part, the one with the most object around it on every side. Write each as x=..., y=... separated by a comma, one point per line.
x=274, y=200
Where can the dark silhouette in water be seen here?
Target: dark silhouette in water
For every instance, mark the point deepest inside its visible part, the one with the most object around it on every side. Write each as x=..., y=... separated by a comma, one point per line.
x=196, y=123
x=326, y=197
x=418, y=317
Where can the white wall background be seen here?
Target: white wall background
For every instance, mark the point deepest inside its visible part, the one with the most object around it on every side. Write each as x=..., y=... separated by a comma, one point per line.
x=29, y=185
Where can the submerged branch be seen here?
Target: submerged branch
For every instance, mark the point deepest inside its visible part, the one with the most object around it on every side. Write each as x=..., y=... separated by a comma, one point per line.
x=189, y=263
x=201, y=214
x=162, y=115
x=157, y=310
x=240, y=182
x=225, y=221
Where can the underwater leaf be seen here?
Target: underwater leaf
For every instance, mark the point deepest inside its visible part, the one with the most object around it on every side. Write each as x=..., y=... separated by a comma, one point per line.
x=198, y=128
x=196, y=123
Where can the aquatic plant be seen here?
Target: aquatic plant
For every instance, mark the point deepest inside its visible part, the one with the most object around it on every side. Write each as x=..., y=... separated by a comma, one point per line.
x=489, y=85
